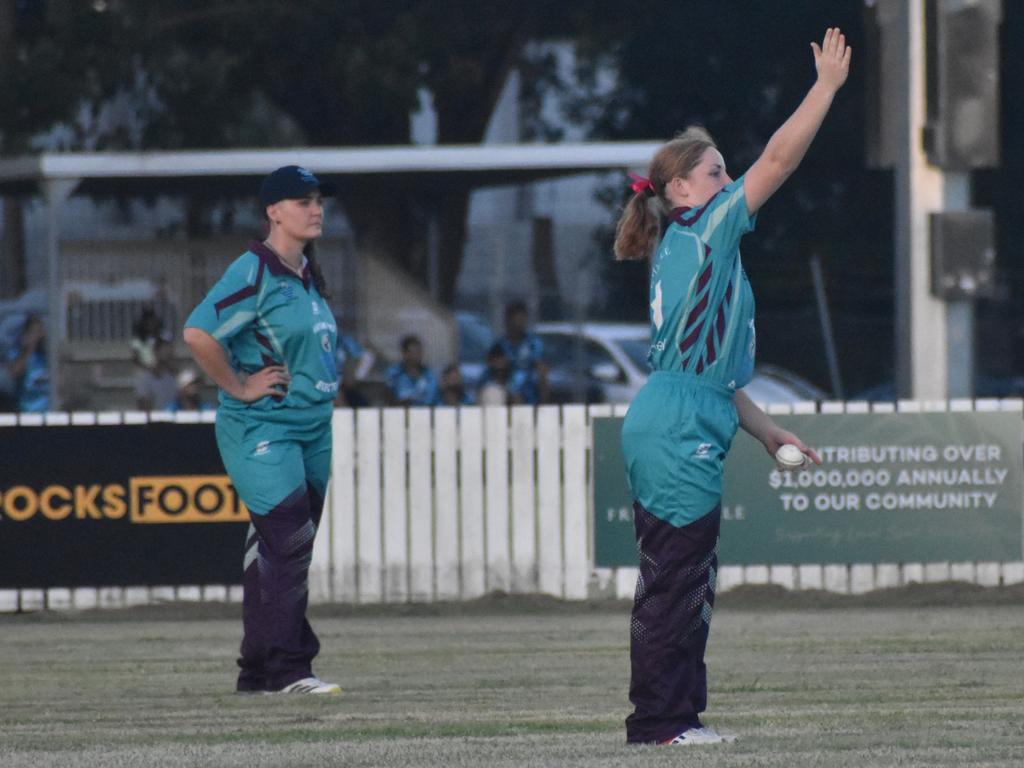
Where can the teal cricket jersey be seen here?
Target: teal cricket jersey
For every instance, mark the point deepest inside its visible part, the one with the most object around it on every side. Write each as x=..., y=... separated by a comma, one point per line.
x=264, y=314
x=680, y=425
x=702, y=307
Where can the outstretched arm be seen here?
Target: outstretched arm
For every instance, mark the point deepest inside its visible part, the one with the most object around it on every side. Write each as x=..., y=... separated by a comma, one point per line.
x=762, y=427
x=789, y=144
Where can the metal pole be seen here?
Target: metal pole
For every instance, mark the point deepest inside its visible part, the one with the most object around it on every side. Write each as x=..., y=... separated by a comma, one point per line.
x=923, y=364
x=826, y=328
x=960, y=325
x=434, y=255
x=960, y=313
x=55, y=191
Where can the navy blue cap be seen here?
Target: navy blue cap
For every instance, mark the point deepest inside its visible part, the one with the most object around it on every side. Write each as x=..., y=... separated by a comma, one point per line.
x=291, y=182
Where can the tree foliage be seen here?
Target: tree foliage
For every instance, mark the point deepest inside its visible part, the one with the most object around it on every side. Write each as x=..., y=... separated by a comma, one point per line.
x=54, y=60
x=336, y=73
x=230, y=73
x=740, y=69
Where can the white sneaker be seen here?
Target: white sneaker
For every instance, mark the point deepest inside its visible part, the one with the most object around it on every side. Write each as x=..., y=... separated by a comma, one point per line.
x=728, y=738
x=700, y=735
x=311, y=685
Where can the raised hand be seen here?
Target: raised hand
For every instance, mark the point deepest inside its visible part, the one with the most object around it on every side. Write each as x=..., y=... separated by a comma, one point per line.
x=832, y=59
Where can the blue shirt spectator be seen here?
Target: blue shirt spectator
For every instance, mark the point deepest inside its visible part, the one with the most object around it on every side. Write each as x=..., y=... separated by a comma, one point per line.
x=28, y=367
x=453, y=388
x=354, y=364
x=496, y=386
x=525, y=353
x=189, y=396
x=348, y=351
x=411, y=382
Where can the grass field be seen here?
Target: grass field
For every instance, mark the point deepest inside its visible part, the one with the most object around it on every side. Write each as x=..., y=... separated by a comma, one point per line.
x=919, y=678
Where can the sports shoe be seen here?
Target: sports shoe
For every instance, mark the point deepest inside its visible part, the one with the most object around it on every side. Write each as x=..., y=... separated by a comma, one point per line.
x=701, y=735
x=311, y=685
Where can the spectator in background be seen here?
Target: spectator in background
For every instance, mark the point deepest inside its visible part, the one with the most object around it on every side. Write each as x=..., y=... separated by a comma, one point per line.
x=188, y=397
x=528, y=374
x=28, y=370
x=496, y=387
x=453, y=388
x=410, y=381
x=157, y=388
x=354, y=364
x=148, y=329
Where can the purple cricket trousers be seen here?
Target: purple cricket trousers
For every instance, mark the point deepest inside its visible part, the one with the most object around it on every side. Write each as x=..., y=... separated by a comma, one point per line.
x=279, y=644
x=675, y=593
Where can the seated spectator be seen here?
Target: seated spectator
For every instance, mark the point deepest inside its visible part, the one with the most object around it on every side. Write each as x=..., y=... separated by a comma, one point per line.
x=354, y=364
x=27, y=368
x=496, y=385
x=410, y=381
x=453, y=389
x=148, y=329
x=189, y=397
x=157, y=388
x=525, y=352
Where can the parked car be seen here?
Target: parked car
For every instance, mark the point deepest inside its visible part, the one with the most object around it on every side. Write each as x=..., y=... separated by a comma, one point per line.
x=772, y=384
x=607, y=362
x=595, y=362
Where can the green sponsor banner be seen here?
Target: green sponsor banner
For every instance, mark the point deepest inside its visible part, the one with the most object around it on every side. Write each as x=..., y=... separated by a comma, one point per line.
x=929, y=487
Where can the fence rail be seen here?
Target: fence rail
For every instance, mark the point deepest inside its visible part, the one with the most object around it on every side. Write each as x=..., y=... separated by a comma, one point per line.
x=450, y=504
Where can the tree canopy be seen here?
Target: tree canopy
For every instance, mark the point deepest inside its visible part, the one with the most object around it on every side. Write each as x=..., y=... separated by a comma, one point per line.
x=224, y=73
x=230, y=73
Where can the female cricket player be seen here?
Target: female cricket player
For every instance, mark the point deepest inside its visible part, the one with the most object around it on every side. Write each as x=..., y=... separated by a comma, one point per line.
x=680, y=425
x=266, y=336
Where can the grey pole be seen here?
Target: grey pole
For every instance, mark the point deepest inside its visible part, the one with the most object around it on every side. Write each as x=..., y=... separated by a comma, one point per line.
x=960, y=328
x=55, y=192
x=959, y=313
x=434, y=255
x=826, y=329
x=925, y=369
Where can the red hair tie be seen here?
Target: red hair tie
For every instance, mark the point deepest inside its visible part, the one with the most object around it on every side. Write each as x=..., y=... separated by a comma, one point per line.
x=642, y=186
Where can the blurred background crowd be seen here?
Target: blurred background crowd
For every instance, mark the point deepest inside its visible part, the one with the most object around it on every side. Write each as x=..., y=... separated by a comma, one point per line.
x=520, y=364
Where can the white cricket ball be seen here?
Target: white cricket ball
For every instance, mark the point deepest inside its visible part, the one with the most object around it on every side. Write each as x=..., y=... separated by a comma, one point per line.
x=789, y=456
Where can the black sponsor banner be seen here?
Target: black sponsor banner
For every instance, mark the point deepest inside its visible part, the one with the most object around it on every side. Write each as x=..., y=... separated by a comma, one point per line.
x=122, y=505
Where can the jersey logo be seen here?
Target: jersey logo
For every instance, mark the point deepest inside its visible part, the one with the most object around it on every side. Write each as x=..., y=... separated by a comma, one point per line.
x=703, y=451
x=316, y=308
x=656, y=317
x=262, y=448
x=287, y=289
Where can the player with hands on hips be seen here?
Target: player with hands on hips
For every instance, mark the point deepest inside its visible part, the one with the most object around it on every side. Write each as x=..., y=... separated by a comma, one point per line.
x=266, y=335
x=680, y=425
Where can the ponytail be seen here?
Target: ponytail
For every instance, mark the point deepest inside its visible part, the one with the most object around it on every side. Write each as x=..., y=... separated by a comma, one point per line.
x=309, y=251
x=638, y=229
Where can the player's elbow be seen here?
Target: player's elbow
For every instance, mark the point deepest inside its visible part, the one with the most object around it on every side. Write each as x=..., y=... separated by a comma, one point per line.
x=779, y=167
x=194, y=337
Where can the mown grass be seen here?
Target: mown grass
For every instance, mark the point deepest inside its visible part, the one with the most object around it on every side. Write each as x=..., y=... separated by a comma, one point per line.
x=850, y=686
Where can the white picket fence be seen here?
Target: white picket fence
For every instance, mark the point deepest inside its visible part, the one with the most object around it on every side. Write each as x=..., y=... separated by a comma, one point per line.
x=451, y=504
